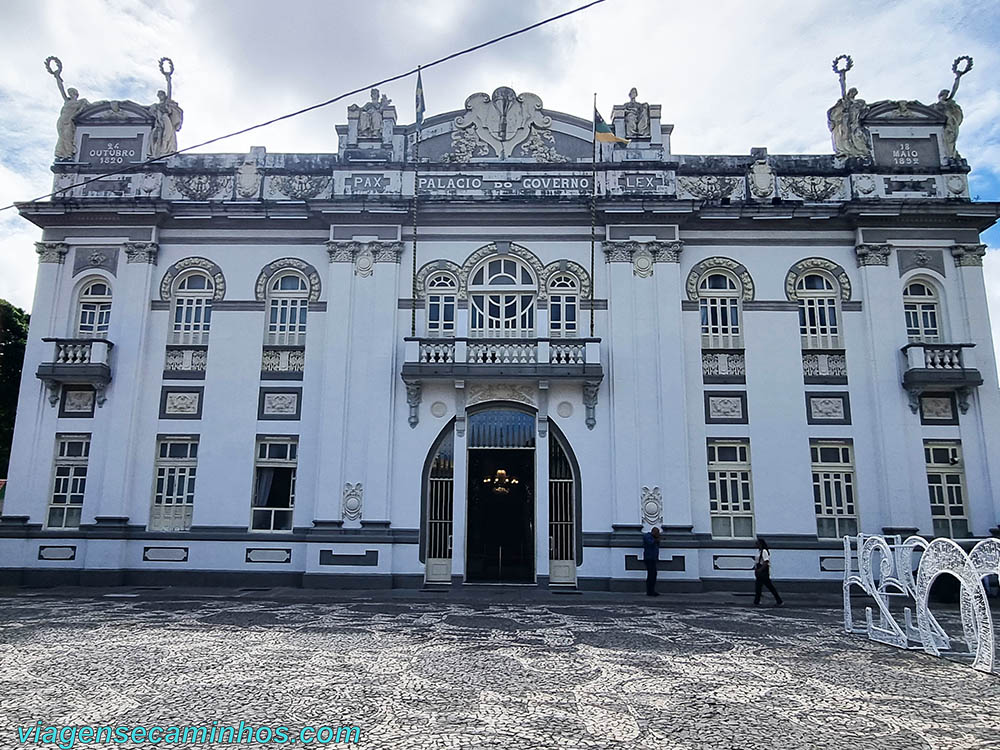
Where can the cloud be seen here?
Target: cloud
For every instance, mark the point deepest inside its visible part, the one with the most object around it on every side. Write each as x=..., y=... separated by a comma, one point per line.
x=729, y=74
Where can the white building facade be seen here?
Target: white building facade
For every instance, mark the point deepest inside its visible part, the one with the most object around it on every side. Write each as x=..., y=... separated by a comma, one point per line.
x=489, y=357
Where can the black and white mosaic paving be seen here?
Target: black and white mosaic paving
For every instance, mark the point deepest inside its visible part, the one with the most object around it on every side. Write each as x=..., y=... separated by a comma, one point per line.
x=434, y=674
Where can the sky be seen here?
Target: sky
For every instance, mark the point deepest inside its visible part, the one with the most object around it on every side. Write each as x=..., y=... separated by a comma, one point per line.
x=729, y=75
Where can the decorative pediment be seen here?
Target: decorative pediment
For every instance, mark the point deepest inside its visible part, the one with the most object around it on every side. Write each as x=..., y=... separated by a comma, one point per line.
x=905, y=112
x=114, y=113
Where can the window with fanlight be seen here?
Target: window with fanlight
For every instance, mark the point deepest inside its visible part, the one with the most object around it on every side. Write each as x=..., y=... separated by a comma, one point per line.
x=192, y=315
x=564, y=304
x=287, y=303
x=719, y=295
x=94, y=314
x=502, y=293
x=819, y=311
x=921, y=305
x=441, y=301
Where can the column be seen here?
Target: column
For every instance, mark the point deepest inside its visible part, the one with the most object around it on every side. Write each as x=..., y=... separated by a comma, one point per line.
x=460, y=489
x=542, y=484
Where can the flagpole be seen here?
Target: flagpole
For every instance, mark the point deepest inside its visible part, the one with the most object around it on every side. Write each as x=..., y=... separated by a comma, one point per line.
x=416, y=184
x=593, y=208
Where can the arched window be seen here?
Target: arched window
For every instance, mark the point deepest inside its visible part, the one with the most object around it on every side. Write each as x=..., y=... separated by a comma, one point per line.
x=503, y=294
x=288, y=300
x=819, y=311
x=94, y=310
x=564, y=302
x=192, y=316
x=441, y=291
x=719, y=295
x=923, y=314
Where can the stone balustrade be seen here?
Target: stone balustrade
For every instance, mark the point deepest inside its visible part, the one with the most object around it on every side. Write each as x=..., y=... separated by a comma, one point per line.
x=548, y=357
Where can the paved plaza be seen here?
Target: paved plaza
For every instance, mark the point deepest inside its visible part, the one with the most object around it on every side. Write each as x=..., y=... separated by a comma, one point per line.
x=428, y=672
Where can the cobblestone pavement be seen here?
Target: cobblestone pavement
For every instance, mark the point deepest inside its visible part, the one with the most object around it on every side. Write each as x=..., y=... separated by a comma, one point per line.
x=434, y=674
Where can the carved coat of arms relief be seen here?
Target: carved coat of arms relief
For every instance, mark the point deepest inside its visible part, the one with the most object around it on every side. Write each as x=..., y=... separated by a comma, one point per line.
x=504, y=120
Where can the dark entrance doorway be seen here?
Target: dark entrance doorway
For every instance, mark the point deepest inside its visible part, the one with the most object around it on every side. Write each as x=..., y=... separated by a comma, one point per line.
x=501, y=537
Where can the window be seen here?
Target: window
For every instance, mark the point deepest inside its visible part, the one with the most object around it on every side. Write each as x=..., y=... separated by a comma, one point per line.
x=503, y=299
x=173, y=489
x=69, y=481
x=441, y=305
x=819, y=313
x=730, y=493
x=719, y=305
x=95, y=311
x=288, y=299
x=920, y=302
x=274, y=485
x=564, y=302
x=192, y=309
x=946, y=488
x=833, y=488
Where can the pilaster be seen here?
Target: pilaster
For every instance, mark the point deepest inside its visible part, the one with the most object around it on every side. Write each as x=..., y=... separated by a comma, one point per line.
x=980, y=445
x=894, y=468
x=30, y=473
x=116, y=442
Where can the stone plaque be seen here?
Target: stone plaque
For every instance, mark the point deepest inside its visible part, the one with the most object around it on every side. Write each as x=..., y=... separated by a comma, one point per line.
x=726, y=407
x=369, y=183
x=828, y=408
x=268, y=555
x=110, y=152
x=281, y=403
x=938, y=408
x=507, y=184
x=906, y=152
x=641, y=183
x=181, y=402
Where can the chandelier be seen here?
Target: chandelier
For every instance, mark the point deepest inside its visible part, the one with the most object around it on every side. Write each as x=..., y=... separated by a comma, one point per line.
x=500, y=483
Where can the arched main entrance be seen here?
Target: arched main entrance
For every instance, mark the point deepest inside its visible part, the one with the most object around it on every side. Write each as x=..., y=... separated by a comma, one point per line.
x=510, y=490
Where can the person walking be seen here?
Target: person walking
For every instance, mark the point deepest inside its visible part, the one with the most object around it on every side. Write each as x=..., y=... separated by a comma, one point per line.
x=762, y=574
x=651, y=556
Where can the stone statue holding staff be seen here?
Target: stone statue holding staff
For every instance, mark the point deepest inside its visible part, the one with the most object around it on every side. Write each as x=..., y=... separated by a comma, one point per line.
x=850, y=136
x=72, y=106
x=167, y=116
x=948, y=107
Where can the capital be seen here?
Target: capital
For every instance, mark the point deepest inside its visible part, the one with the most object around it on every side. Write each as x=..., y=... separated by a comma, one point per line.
x=51, y=252
x=873, y=254
x=968, y=255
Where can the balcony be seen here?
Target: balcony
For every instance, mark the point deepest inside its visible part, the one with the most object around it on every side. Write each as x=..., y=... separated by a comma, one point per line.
x=939, y=367
x=77, y=362
x=578, y=359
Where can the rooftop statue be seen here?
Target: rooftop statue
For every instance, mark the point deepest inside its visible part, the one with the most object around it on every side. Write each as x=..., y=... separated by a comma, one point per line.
x=372, y=115
x=850, y=136
x=72, y=106
x=948, y=107
x=167, y=116
x=636, y=116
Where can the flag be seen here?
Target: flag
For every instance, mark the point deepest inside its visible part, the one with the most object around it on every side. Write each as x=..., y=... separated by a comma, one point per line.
x=420, y=106
x=603, y=133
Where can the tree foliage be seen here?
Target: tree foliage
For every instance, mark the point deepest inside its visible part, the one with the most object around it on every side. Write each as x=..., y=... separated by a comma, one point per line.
x=13, y=337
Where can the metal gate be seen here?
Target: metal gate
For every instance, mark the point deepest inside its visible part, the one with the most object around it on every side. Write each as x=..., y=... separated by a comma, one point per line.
x=562, y=526
x=440, y=506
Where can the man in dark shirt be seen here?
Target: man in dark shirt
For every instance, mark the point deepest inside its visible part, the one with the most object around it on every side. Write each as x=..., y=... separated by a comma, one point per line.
x=651, y=554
